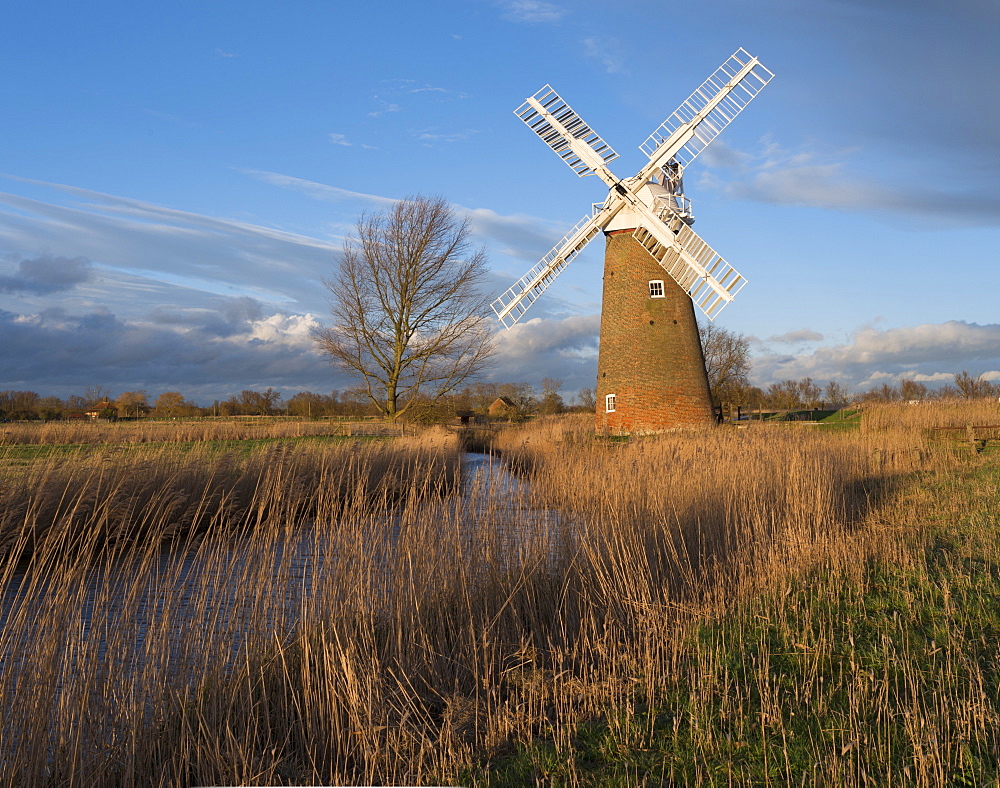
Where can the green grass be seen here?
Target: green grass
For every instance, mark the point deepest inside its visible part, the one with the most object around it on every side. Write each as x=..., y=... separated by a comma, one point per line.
x=841, y=674
x=25, y=453
x=43, y=451
x=846, y=417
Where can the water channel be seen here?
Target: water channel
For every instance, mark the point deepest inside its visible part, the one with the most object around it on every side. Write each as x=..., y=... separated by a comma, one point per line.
x=173, y=618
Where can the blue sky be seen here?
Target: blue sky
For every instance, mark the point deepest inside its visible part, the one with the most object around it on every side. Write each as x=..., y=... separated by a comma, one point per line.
x=177, y=178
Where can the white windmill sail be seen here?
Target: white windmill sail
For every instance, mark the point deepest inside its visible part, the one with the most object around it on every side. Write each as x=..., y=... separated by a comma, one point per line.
x=706, y=112
x=564, y=131
x=701, y=271
x=664, y=223
x=512, y=305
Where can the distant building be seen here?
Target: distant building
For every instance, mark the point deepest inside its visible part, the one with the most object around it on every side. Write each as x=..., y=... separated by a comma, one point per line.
x=502, y=407
x=103, y=409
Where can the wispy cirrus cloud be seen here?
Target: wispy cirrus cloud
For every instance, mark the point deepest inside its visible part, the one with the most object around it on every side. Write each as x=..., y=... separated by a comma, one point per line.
x=609, y=51
x=530, y=11
x=342, y=140
x=384, y=108
x=515, y=235
x=148, y=250
x=318, y=191
x=433, y=136
x=397, y=95
x=796, y=337
x=829, y=180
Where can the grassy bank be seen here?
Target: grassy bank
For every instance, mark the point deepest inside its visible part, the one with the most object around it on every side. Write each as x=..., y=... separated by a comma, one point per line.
x=868, y=656
x=740, y=606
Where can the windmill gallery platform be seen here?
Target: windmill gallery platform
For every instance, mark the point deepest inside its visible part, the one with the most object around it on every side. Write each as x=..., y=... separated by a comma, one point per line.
x=651, y=369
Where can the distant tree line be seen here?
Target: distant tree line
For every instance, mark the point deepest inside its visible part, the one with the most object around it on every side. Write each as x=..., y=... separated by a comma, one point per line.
x=965, y=386
x=728, y=363
x=472, y=399
x=807, y=394
x=727, y=360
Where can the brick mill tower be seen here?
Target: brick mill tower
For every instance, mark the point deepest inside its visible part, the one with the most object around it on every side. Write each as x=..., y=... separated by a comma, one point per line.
x=651, y=370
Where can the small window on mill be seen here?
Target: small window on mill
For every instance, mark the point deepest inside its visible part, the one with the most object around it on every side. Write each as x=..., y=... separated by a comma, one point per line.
x=656, y=288
x=609, y=403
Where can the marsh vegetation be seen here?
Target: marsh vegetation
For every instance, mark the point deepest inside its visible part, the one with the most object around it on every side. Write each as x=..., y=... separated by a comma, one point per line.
x=774, y=603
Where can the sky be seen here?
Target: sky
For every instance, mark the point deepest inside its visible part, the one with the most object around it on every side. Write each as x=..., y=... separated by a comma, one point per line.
x=177, y=178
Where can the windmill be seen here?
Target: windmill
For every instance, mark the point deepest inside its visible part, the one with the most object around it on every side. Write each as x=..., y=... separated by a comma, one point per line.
x=651, y=370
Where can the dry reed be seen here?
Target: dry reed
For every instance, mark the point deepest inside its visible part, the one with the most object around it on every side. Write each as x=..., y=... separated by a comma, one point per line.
x=81, y=432
x=326, y=615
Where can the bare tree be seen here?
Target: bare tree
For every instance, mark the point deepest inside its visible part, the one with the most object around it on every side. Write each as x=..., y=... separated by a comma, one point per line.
x=408, y=315
x=911, y=390
x=95, y=394
x=259, y=403
x=809, y=392
x=784, y=395
x=20, y=405
x=884, y=393
x=836, y=394
x=972, y=388
x=727, y=361
x=132, y=404
x=552, y=401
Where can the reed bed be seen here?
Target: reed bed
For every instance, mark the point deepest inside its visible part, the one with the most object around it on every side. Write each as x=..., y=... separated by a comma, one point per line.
x=190, y=430
x=314, y=627
x=891, y=416
x=130, y=493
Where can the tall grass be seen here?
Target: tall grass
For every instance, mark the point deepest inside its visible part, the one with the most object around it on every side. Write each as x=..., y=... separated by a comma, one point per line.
x=930, y=415
x=147, y=431
x=339, y=615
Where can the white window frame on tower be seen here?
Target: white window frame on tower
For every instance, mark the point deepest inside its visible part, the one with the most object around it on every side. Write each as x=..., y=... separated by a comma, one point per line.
x=656, y=288
x=609, y=403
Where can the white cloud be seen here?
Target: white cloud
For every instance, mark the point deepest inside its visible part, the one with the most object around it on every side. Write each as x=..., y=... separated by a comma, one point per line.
x=319, y=191
x=934, y=377
x=568, y=337
x=200, y=296
x=396, y=95
x=517, y=235
x=530, y=11
x=609, y=51
x=434, y=135
x=930, y=353
x=827, y=179
x=564, y=348
x=45, y=274
x=142, y=255
x=796, y=337
x=386, y=107
x=285, y=329
x=340, y=139
x=205, y=353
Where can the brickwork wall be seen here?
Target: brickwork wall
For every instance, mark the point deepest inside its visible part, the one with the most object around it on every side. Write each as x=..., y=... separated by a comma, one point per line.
x=650, y=354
